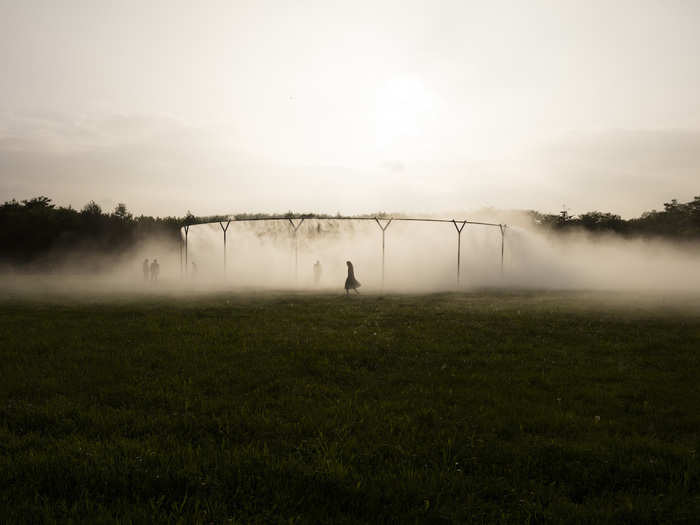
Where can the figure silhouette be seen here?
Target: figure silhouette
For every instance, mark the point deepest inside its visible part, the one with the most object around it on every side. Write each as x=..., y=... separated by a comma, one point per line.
x=155, y=270
x=351, y=282
x=146, y=270
x=317, y=273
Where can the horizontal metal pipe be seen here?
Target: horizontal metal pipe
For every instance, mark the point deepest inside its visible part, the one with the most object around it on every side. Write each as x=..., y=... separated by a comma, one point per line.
x=357, y=219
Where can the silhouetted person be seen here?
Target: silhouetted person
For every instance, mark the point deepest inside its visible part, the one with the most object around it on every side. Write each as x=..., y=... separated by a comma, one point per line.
x=317, y=273
x=194, y=269
x=351, y=282
x=155, y=270
x=146, y=270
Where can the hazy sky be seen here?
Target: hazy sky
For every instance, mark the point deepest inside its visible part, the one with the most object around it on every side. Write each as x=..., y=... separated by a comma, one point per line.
x=350, y=106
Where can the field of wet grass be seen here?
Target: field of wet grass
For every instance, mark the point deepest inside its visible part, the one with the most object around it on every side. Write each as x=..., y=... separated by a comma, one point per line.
x=298, y=408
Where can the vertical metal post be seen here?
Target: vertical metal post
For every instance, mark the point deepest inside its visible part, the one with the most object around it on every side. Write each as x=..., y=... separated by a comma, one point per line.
x=224, y=230
x=295, y=227
x=383, y=252
x=459, y=255
x=383, y=228
x=187, y=229
x=181, y=256
x=459, y=247
x=503, y=236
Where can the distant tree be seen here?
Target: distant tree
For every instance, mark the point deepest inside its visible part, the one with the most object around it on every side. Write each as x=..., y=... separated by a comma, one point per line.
x=546, y=220
x=10, y=205
x=670, y=207
x=92, y=208
x=599, y=221
x=121, y=212
x=38, y=202
x=695, y=211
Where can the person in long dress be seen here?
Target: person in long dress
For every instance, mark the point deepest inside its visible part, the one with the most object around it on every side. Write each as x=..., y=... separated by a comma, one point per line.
x=351, y=283
x=146, y=269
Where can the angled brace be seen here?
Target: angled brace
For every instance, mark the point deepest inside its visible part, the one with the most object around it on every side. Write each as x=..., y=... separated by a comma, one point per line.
x=459, y=228
x=295, y=227
x=386, y=225
x=222, y=226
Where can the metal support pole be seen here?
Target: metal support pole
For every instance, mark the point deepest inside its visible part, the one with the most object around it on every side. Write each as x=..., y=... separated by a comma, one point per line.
x=459, y=255
x=295, y=227
x=187, y=230
x=180, y=256
x=503, y=237
x=383, y=251
x=459, y=246
x=383, y=228
x=224, y=230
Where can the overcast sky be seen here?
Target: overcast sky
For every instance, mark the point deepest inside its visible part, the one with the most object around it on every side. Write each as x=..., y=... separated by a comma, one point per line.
x=231, y=106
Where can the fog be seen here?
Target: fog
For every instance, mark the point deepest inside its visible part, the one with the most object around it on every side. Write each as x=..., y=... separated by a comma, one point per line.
x=419, y=257
x=422, y=257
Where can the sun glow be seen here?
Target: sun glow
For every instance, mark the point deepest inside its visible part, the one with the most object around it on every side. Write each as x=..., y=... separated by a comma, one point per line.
x=405, y=113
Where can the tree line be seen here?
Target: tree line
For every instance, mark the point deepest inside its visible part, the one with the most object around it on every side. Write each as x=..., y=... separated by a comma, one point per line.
x=37, y=232
x=678, y=221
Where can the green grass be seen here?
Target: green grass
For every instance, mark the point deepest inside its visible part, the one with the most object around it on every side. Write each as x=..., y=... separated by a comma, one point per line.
x=474, y=408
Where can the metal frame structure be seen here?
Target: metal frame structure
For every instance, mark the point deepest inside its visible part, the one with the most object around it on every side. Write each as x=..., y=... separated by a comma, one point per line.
x=383, y=226
x=225, y=229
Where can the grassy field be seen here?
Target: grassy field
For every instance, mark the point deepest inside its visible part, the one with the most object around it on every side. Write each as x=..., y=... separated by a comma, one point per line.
x=471, y=408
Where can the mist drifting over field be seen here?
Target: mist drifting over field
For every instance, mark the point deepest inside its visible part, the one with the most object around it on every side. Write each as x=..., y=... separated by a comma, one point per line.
x=420, y=257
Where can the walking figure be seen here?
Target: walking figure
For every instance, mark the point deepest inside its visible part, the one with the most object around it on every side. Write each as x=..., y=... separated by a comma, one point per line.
x=155, y=270
x=146, y=270
x=351, y=282
x=317, y=273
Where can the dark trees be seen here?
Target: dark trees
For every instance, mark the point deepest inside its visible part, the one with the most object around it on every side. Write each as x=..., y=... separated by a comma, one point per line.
x=36, y=232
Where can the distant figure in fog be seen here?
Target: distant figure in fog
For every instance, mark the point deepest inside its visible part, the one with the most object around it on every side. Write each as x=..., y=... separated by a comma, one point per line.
x=146, y=270
x=317, y=273
x=351, y=282
x=194, y=269
x=155, y=270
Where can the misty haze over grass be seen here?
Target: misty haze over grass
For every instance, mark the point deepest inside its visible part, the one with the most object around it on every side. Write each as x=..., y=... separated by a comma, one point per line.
x=56, y=247
x=420, y=257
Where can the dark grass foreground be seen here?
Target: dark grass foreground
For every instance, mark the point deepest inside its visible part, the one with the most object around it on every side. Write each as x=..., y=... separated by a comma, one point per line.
x=306, y=409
